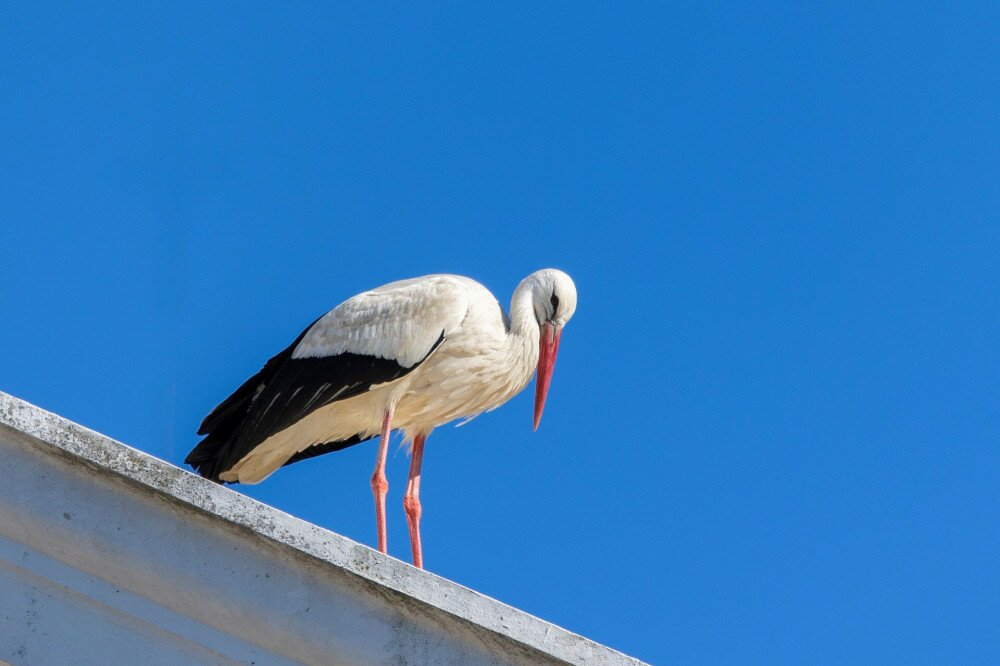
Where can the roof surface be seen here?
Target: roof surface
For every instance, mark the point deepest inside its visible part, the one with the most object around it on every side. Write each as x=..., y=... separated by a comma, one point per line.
x=517, y=635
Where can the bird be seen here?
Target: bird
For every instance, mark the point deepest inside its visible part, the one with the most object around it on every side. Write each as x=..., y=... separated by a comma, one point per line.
x=408, y=356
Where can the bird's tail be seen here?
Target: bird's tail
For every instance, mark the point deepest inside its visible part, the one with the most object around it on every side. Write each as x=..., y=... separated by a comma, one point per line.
x=205, y=457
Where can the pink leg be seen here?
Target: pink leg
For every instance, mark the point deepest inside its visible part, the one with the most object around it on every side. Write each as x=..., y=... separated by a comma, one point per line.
x=380, y=485
x=411, y=501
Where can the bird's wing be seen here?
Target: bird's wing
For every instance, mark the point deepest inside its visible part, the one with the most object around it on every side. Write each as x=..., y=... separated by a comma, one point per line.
x=235, y=407
x=372, y=339
x=400, y=321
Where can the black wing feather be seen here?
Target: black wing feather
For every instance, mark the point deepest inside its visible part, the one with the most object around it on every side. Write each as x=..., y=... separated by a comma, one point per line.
x=236, y=405
x=326, y=447
x=286, y=390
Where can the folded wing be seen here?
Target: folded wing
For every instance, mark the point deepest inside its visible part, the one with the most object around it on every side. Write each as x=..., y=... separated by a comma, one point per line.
x=372, y=339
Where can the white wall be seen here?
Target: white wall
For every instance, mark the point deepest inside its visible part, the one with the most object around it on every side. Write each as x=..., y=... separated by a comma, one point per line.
x=108, y=555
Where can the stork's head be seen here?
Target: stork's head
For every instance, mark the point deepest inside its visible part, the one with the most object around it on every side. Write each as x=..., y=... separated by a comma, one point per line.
x=553, y=296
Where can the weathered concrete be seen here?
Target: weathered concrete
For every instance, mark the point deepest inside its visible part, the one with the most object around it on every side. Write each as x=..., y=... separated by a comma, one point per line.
x=108, y=555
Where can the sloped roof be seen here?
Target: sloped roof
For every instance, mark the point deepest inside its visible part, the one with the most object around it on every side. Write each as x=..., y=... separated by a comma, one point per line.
x=105, y=480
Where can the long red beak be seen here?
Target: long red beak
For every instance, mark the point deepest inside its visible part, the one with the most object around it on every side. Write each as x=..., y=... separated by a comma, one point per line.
x=548, y=347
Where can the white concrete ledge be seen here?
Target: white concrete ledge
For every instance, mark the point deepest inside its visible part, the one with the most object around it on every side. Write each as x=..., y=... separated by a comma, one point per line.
x=109, y=553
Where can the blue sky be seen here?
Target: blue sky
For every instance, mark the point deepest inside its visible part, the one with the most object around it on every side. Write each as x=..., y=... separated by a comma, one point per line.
x=772, y=432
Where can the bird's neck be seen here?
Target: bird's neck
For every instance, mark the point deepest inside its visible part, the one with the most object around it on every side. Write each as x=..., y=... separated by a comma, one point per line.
x=522, y=312
x=522, y=340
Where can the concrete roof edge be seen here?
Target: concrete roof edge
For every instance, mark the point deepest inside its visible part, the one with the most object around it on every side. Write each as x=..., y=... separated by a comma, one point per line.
x=105, y=453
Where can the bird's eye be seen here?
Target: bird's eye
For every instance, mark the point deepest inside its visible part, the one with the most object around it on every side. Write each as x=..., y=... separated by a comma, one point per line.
x=555, y=301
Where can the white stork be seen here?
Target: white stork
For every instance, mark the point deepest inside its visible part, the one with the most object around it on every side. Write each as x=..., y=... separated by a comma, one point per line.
x=410, y=355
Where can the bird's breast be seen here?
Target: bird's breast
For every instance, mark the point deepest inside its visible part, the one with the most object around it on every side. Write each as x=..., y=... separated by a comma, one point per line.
x=470, y=373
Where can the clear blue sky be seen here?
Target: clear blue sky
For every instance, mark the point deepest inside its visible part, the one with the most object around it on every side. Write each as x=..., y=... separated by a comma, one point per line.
x=772, y=433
